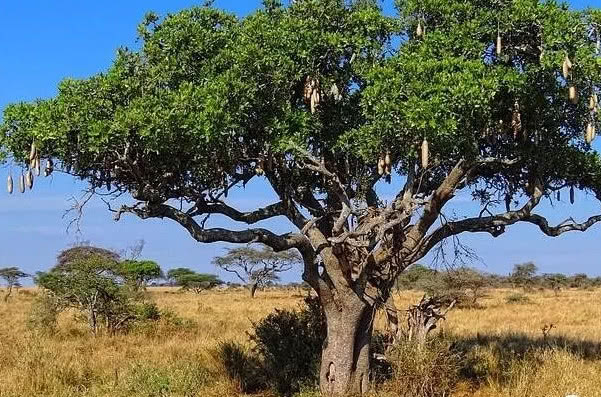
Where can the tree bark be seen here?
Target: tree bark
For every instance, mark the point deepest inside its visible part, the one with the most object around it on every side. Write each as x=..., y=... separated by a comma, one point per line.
x=345, y=360
x=253, y=289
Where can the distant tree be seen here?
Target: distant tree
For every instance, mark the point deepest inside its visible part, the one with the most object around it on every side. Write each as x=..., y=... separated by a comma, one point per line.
x=579, y=280
x=415, y=276
x=523, y=274
x=468, y=283
x=555, y=281
x=88, y=279
x=139, y=273
x=257, y=267
x=11, y=275
x=190, y=280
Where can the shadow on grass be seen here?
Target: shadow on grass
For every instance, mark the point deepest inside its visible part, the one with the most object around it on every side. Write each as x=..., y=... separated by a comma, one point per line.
x=494, y=356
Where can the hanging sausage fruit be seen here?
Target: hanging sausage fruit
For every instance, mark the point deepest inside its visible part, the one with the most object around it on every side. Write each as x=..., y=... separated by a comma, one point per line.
x=516, y=120
x=9, y=184
x=381, y=165
x=566, y=67
x=29, y=179
x=387, y=164
x=425, y=154
x=22, y=183
x=589, y=135
x=572, y=195
x=573, y=95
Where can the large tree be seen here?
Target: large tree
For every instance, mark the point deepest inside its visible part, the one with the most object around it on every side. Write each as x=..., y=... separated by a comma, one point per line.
x=326, y=100
x=257, y=267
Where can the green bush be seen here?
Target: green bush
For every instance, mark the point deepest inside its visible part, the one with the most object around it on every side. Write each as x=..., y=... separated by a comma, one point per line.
x=148, y=311
x=286, y=352
x=289, y=344
x=517, y=299
x=242, y=367
x=43, y=314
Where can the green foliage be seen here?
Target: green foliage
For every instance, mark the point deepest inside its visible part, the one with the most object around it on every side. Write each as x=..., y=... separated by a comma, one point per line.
x=190, y=280
x=242, y=367
x=12, y=275
x=517, y=299
x=286, y=354
x=140, y=272
x=90, y=281
x=463, y=284
x=43, y=314
x=148, y=311
x=289, y=344
x=523, y=274
x=257, y=267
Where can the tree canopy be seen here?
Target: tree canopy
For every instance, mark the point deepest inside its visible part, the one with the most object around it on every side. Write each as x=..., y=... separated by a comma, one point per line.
x=190, y=280
x=324, y=100
x=257, y=267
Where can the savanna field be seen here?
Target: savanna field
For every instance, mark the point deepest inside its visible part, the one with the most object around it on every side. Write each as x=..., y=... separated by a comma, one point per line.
x=502, y=347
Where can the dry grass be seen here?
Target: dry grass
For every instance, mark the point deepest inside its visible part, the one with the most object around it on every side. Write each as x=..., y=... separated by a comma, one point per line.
x=507, y=354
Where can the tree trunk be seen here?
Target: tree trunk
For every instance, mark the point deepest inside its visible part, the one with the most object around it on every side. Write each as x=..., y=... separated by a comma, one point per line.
x=253, y=289
x=345, y=359
x=10, y=290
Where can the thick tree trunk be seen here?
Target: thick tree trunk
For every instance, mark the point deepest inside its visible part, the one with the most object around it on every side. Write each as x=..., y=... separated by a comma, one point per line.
x=253, y=289
x=345, y=360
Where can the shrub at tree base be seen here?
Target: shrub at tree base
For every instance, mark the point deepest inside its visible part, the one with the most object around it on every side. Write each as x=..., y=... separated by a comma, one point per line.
x=423, y=371
x=286, y=354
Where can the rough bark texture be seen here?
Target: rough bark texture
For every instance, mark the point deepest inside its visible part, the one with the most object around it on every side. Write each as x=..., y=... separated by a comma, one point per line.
x=424, y=317
x=345, y=363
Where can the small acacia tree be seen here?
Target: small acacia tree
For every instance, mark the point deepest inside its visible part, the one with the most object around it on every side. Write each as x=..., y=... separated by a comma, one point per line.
x=139, y=273
x=255, y=267
x=523, y=275
x=11, y=275
x=190, y=280
x=313, y=99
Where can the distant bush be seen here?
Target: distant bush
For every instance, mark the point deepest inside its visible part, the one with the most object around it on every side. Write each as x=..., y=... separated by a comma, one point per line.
x=148, y=311
x=517, y=299
x=43, y=314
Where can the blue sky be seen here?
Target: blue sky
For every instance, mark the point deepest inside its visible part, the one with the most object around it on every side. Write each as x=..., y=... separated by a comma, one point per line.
x=42, y=42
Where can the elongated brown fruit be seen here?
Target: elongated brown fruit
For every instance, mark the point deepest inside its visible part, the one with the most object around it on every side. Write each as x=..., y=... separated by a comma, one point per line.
x=36, y=167
x=499, y=45
x=591, y=103
x=32, y=152
x=29, y=179
x=419, y=32
x=573, y=95
x=572, y=195
x=381, y=166
x=425, y=154
x=565, y=68
x=590, y=133
x=387, y=161
x=9, y=184
x=22, y=183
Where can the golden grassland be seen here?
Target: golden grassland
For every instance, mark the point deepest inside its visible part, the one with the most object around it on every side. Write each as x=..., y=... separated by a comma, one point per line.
x=509, y=353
